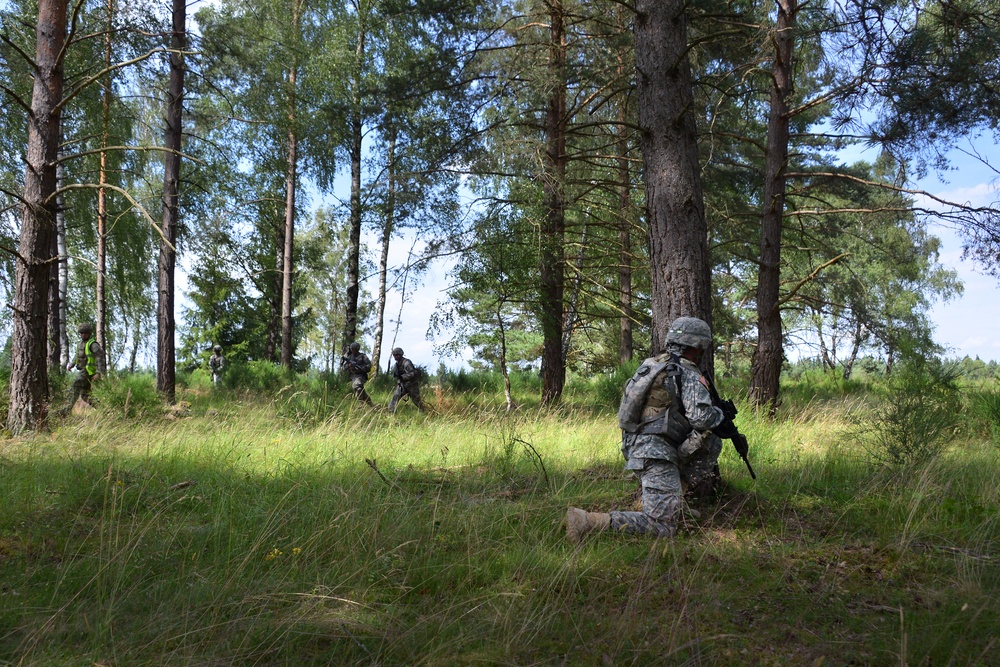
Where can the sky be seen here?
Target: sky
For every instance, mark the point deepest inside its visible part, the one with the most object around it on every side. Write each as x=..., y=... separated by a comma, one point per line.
x=970, y=324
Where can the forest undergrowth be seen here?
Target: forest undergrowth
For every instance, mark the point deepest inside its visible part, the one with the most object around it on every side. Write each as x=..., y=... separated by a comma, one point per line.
x=297, y=528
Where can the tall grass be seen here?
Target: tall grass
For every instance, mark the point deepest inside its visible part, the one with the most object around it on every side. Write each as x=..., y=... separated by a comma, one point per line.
x=249, y=532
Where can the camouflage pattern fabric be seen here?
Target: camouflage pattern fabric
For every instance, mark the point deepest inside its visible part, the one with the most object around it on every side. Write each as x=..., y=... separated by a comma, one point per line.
x=407, y=384
x=216, y=363
x=664, y=467
x=358, y=366
x=82, y=384
x=661, y=501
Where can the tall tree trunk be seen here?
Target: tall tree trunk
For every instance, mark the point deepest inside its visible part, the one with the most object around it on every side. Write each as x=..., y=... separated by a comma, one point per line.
x=165, y=361
x=681, y=275
x=383, y=260
x=572, y=308
x=354, y=233
x=29, y=377
x=625, y=340
x=287, y=269
x=136, y=338
x=504, y=371
x=768, y=357
x=552, y=270
x=829, y=361
x=101, y=325
x=55, y=352
x=63, y=269
x=855, y=348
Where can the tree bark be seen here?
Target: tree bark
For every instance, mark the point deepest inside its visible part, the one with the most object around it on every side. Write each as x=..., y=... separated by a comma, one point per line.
x=354, y=233
x=63, y=269
x=855, y=348
x=678, y=234
x=552, y=270
x=287, y=268
x=29, y=377
x=625, y=340
x=165, y=361
x=289, y=250
x=101, y=326
x=389, y=223
x=769, y=355
x=55, y=307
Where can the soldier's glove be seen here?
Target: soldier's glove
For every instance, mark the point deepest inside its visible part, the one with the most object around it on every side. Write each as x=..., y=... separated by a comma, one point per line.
x=729, y=409
x=694, y=442
x=726, y=430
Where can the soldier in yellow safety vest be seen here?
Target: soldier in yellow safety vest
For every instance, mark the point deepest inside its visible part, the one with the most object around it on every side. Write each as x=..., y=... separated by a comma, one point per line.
x=89, y=361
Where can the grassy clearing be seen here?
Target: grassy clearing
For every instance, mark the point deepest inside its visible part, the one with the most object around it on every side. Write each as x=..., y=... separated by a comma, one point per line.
x=256, y=532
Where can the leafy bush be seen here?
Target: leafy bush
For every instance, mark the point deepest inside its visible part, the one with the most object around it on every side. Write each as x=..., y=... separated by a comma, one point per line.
x=609, y=386
x=257, y=376
x=917, y=418
x=129, y=396
x=465, y=381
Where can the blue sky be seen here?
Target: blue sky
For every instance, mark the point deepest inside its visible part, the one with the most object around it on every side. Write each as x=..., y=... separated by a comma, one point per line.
x=968, y=325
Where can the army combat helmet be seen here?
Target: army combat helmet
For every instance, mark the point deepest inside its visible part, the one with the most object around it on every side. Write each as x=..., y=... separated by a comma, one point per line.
x=690, y=332
x=354, y=347
x=217, y=348
x=86, y=327
x=397, y=351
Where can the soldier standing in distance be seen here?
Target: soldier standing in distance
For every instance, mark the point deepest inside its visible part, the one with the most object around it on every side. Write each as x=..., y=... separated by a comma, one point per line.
x=407, y=381
x=90, y=362
x=358, y=367
x=669, y=444
x=216, y=363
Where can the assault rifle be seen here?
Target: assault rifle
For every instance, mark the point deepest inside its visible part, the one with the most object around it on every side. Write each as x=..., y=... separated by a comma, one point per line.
x=727, y=429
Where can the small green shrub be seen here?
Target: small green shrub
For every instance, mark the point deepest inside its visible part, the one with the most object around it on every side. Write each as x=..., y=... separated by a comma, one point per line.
x=610, y=386
x=128, y=396
x=917, y=418
x=257, y=376
x=311, y=398
x=465, y=381
x=984, y=409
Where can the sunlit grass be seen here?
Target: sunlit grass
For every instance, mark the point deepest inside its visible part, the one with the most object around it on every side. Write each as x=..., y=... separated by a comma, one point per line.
x=304, y=529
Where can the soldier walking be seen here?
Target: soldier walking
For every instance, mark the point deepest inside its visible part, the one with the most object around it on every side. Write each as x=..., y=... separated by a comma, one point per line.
x=358, y=367
x=216, y=363
x=407, y=381
x=90, y=362
x=666, y=417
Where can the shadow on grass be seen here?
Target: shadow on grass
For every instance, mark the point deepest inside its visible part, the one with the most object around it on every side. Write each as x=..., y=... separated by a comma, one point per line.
x=232, y=538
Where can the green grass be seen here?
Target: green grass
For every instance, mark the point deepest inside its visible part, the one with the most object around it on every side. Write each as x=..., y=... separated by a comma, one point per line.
x=254, y=532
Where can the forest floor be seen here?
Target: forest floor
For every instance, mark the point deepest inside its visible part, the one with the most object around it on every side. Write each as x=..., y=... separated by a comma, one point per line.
x=231, y=533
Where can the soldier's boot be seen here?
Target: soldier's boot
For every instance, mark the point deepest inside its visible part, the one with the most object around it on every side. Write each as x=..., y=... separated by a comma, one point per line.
x=580, y=522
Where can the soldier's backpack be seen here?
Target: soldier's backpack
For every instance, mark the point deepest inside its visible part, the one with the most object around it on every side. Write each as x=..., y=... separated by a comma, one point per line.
x=637, y=390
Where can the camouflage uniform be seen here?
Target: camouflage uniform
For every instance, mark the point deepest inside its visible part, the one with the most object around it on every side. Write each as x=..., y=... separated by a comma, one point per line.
x=407, y=382
x=216, y=363
x=358, y=366
x=90, y=361
x=664, y=463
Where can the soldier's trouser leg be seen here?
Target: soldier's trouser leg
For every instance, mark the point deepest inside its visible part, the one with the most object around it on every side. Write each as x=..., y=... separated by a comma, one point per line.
x=661, y=502
x=396, y=395
x=79, y=389
x=358, y=385
x=414, y=393
x=700, y=473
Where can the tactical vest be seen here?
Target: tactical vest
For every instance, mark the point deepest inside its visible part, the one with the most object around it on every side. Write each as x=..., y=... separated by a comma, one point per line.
x=651, y=402
x=88, y=359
